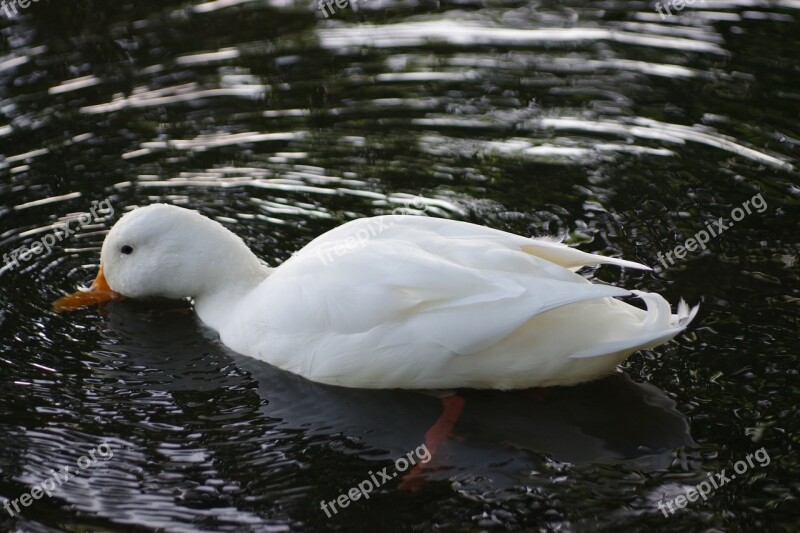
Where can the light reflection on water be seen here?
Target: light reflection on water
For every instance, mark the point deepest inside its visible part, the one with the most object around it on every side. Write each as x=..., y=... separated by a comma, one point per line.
x=595, y=121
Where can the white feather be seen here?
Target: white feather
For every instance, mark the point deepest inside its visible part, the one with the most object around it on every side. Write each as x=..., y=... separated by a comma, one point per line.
x=402, y=302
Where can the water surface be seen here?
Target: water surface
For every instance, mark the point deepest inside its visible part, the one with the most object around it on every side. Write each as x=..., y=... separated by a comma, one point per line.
x=597, y=122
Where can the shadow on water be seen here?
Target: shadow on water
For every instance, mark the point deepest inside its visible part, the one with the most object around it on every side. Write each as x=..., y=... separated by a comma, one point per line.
x=610, y=419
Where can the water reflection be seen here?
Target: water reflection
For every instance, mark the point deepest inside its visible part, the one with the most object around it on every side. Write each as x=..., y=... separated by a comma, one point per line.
x=502, y=435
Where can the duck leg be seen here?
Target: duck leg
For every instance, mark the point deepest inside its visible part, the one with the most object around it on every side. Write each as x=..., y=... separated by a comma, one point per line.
x=440, y=431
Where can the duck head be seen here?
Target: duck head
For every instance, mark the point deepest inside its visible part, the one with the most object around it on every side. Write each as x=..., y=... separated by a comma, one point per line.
x=164, y=251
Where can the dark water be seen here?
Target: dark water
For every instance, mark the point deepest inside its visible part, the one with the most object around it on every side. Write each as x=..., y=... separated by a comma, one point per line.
x=595, y=121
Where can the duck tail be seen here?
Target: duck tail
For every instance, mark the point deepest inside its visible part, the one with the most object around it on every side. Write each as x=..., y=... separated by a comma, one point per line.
x=659, y=326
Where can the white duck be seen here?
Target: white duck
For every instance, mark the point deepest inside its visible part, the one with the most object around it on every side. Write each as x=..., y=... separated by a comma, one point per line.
x=390, y=301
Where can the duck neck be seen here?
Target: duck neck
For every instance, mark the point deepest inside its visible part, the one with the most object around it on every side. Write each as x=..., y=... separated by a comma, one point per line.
x=218, y=302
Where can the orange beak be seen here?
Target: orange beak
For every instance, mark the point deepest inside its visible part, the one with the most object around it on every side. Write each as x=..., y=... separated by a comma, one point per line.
x=98, y=293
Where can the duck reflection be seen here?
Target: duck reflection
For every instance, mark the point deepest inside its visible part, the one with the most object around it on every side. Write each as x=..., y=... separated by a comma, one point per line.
x=501, y=436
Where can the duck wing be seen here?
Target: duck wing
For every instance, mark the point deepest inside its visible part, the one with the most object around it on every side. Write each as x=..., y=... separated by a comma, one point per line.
x=452, y=284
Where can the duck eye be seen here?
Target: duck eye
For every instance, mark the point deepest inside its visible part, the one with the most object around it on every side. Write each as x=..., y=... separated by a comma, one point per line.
x=126, y=249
